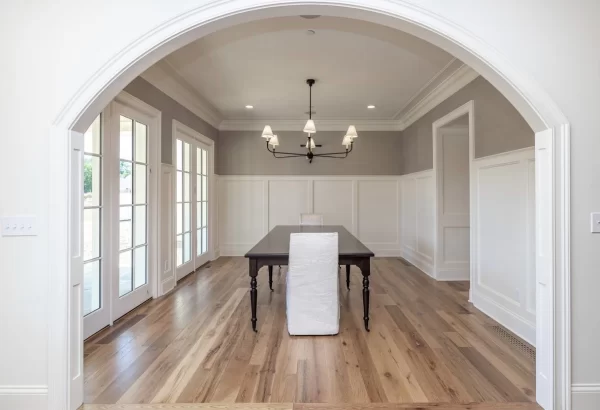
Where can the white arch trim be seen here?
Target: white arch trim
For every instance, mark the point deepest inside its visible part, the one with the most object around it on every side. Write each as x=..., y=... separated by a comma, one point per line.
x=531, y=101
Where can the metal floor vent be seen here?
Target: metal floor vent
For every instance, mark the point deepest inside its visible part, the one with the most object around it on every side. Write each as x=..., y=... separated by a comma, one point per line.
x=515, y=341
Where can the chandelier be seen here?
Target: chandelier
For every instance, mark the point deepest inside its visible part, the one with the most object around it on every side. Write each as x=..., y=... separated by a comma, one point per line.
x=310, y=129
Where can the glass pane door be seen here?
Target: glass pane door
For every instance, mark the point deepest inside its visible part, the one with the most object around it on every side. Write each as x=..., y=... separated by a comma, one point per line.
x=201, y=201
x=192, y=165
x=95, y=309
x=183, y=208
x=133, y=194
x=130, y=247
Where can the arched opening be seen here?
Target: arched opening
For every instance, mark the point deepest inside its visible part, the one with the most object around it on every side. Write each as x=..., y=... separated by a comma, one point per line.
x=538, y=110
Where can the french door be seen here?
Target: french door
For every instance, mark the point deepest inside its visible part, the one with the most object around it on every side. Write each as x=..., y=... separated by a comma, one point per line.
x=192, y=159
x=96, y=284
x=131, y=263
x=118, y=186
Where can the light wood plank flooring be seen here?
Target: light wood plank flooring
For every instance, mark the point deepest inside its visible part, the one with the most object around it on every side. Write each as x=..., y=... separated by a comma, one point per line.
x=195, y=345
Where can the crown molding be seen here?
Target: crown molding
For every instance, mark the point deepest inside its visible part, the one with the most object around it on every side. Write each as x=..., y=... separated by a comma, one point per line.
x=164, y=77
x=449, y=86
x=298, y=125
x=444, y=73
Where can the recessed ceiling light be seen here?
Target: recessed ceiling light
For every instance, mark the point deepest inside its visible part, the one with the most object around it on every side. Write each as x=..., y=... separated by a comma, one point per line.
x=249, y=107
x=371, y=107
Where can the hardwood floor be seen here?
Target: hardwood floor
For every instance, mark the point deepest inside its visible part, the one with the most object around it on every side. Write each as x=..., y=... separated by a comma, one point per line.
x=195, y=345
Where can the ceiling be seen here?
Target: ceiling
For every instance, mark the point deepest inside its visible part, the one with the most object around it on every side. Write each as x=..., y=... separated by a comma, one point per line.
x=265, y=64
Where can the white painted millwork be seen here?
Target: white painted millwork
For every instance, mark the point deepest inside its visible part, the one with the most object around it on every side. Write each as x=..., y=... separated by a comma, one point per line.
x=75, y=358
x=503, y=223
x=69, y=95
x=544, y=259
x=417, y=219
x=250, y=206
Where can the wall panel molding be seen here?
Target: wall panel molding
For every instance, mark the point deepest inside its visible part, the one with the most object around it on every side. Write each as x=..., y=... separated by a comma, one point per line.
x=503, y=261
x=416, y=219
x=249, y=206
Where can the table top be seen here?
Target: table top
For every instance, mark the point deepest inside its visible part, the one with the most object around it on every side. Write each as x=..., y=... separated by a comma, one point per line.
x=277, y=242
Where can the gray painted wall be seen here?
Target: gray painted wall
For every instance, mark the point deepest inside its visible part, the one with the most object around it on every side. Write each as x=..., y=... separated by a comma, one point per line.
x=171, y=110
x=498, y=126
x=245, y=153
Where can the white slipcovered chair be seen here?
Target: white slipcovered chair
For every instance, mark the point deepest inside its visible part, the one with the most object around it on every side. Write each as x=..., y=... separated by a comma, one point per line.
x=312, y=296
x=311, y=219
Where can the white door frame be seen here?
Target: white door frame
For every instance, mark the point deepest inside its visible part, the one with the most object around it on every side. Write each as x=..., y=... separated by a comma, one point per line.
x=469, y=110
x=152, y=117
x=531, y=100
x=184, y=133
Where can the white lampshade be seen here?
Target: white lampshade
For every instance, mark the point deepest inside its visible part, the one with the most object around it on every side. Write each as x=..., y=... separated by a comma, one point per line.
x=312, y=143
x=310, y=127
x=274, y=141
x=347, y=141
x=267, y=132
x=352, y=132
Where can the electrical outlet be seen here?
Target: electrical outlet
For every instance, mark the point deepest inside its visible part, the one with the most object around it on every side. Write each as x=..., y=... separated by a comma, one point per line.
x=19, y=226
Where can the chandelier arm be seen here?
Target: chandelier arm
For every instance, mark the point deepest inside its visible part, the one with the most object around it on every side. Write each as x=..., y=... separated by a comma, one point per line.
x=290, y=155
x=332, y=155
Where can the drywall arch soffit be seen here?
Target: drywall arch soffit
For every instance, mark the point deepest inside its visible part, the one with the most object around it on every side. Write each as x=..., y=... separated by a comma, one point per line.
x=530, y=99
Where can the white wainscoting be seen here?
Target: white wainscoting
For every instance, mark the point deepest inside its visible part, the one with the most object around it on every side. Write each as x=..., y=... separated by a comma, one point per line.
x=250, y=206
x=503, y=262
x=417, y=219
x=166, y=262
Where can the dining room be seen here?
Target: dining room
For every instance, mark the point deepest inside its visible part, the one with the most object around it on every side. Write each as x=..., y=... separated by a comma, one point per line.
x=301, y=254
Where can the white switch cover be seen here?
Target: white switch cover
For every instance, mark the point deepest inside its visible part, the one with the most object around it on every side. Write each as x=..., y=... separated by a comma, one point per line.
x=19, y=226
x=595, y=222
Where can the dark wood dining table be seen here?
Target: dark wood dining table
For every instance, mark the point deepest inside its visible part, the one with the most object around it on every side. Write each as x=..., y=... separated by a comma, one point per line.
x=274, y=250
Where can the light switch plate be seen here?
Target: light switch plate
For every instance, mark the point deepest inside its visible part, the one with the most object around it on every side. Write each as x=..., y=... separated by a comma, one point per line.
x=595, y=222
x=19, y=226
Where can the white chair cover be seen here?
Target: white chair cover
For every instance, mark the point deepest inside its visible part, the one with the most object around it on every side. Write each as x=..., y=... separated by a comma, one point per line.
x=312, y=296
x=311, y=219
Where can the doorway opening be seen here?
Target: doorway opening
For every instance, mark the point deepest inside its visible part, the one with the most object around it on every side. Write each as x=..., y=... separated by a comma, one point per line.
x=65, y=345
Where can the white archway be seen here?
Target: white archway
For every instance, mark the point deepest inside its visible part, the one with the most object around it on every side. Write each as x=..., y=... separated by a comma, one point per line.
x=529, y=99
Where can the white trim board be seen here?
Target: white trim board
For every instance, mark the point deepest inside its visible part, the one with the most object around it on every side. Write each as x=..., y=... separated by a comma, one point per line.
x=24, y=397
x=586, y=396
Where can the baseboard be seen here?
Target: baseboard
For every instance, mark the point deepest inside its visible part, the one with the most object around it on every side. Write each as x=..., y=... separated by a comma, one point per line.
x=452, y=274
x=585, y=396
x=216, y=254
x=235, y=249
x=516, y=324
x=167, y=285
x=385, y=250
x=24, y=397
x=419, y=260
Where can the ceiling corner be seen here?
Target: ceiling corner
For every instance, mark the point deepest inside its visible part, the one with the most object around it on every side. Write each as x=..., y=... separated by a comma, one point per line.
x=164, y=77
x=447, y=82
